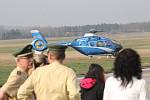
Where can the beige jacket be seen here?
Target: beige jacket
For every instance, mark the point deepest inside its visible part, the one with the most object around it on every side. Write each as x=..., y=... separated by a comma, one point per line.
x=51, y=82
x=16, y=78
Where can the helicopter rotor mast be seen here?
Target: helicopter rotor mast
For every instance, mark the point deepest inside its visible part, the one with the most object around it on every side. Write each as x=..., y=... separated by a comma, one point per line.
x=94, y=31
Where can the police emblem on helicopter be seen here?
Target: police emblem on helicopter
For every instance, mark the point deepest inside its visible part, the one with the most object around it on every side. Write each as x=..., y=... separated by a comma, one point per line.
x=39, y=42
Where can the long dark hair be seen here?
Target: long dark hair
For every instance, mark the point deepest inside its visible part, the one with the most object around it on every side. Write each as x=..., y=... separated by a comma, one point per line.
x=127, y=65
x=97, y=72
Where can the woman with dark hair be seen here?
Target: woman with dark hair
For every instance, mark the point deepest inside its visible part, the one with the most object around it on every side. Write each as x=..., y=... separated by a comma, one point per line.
x=92, y=86
x=127, y=82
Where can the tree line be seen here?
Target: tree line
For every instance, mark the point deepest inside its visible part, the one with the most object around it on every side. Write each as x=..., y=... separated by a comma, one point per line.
x=20, y=32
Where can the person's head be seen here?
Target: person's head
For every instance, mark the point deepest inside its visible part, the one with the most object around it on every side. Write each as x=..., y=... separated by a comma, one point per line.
x=127, y=65
x=24, y=58
x=40, y=60
x=56, y=53
x=97, y=72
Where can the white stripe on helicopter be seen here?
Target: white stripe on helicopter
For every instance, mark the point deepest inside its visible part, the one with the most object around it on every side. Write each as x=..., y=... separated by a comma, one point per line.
x=103, y=48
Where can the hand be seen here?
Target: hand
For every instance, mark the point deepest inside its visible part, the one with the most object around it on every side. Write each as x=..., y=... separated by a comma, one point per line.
x=3, y=95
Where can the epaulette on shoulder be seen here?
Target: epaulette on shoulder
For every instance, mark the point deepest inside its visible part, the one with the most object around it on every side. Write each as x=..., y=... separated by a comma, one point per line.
x=19, y=73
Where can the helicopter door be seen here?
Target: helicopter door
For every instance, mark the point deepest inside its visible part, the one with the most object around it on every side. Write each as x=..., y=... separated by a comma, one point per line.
x=91, y=44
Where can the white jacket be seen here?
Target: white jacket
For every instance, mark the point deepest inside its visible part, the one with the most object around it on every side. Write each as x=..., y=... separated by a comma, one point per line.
x=134, y=91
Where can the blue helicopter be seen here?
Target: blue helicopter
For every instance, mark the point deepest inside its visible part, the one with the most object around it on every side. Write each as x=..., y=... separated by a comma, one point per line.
x=89, y=44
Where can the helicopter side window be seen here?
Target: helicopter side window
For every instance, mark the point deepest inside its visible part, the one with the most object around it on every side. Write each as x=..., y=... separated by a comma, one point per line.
x=91, y=44
x=100, y=44
x=82, y=43
x=108, y=43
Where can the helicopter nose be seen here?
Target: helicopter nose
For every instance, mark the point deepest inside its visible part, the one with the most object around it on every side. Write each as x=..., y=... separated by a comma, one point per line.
x=119, y=47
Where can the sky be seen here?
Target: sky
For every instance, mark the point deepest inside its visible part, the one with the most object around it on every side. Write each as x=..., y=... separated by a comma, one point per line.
x=72, y=12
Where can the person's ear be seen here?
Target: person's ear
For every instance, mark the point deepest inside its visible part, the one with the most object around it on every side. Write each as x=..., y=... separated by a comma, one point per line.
x=49, y=56
x=17, y=59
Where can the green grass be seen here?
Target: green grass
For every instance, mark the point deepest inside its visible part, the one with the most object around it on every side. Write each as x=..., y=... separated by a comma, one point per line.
x=145, y=61
x=81, y=65
x=4, y=73
x=8, y=49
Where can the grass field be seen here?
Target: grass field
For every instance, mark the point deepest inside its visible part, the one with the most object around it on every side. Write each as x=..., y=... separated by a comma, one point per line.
x=75, y=60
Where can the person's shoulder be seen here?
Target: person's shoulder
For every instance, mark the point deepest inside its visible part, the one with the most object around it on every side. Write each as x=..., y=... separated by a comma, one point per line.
x=15, y=76
x=112, y=82
x=41, y=68
x=141, y=81
x=67, y=68
x=111, y=78
x=15, y=72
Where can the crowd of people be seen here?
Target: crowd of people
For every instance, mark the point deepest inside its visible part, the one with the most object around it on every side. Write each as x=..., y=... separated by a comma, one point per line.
x=44, y=77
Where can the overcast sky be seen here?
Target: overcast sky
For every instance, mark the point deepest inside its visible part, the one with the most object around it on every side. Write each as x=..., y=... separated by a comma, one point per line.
x=72, y=12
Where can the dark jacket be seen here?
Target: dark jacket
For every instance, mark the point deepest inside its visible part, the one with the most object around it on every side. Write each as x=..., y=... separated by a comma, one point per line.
x=91, y=89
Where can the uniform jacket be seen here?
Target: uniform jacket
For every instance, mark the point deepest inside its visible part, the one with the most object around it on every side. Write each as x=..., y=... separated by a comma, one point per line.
x=51, y=82
x=133, y=91
x=91, y=89
x=16, y=78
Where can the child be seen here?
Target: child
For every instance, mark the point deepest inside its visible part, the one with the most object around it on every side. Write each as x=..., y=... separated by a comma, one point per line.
x=92, y=86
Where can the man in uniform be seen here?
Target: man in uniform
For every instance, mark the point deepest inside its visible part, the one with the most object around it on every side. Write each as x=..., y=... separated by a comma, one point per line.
x=52, y=82
x=17, y=77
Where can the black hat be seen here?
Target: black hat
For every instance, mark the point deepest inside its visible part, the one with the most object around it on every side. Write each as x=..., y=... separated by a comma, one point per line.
x=59, y=48
x=23, y=52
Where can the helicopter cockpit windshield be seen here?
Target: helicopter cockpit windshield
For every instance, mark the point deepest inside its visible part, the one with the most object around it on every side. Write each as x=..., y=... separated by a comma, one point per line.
x=116, y=42
x=81, y=41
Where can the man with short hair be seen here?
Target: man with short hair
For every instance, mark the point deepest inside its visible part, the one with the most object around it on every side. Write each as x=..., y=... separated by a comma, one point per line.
x=17, y=77
x=52, y=82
